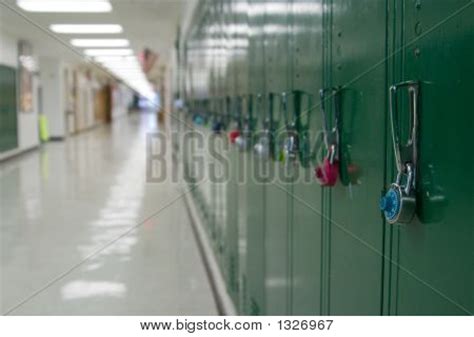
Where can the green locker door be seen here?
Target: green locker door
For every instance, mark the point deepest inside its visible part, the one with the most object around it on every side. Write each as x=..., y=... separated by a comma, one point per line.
x=239, y=57
x=231, y=245
x=234, y=266
x=432, y=271
x=277, y=269
x=358, y=49
x=305, y=199
x=8, y=109
x=255, y=191
x=218, y=139
x=214, y=223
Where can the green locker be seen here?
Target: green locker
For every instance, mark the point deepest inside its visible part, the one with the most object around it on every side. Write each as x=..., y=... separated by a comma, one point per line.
x=8, y=109
x=232, y=233
x=277, y=268
x=305, y=200
x=234, y=277
x=237, y=44
x=214, y=222
x=357, y=47
x=218, y=138
x=431, y=270
x=253, y=189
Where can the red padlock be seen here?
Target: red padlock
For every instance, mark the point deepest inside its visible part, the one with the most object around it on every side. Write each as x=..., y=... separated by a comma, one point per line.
x=233, y=135
x=327, y=173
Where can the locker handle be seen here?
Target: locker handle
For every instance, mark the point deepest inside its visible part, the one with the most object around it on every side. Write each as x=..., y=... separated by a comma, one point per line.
x=290, y=148
x=408, y=152
x=297, y=122
x=303, y=123
x=237, y=111
x=399, y=203
x=268, y=122
x=296, y=143
x=265, y=145
x=268, y=117
x=228, y=107
x=218, y=113
x=284, y=107
x=331, y=128
x=250, y=118
x=327, y=172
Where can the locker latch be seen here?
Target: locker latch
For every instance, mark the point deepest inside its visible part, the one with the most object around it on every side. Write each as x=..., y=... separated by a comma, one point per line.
x=296, y=143
x=245, y=140
x=234, y=112
x=218, y=124
x=289, y=153
x=399, y=203
x=264, y=148
x=327, y=172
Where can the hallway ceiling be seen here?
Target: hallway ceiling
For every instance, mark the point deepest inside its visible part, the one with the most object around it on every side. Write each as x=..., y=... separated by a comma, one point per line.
x=146, y=23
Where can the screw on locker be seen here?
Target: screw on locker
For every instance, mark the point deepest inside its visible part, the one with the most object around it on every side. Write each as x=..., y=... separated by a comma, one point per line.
x=399, y=203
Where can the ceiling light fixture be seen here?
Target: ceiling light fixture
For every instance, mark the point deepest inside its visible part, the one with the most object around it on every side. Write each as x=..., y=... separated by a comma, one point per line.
x=108, y=52
x=100, y=42
x=65, y=6
x=115, y=58
x=86, y=28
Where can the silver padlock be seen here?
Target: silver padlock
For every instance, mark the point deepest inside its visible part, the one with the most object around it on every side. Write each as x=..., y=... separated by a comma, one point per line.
x=244, y=140
x=242, y=143
x=262, y=148
x=291, y=147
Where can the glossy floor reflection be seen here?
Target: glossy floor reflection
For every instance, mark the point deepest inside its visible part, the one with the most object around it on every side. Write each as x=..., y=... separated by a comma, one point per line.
x=77, y=201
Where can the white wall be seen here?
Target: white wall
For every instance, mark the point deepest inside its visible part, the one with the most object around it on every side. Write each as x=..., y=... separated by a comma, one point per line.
x=28, y=128
x=51, y=74
x=8, y=50
x=28, y=132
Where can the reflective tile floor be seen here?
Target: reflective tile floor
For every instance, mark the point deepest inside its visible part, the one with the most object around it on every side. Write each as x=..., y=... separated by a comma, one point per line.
x=70, y=244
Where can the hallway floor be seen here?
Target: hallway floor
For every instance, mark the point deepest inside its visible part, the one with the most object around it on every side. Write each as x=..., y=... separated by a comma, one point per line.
x=74, y=235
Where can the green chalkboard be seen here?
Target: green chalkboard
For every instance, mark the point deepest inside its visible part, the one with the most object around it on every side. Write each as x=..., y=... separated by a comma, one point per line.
x=8, y=109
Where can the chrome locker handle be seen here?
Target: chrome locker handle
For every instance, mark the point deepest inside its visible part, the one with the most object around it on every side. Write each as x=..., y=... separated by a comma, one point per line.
x=399, y=203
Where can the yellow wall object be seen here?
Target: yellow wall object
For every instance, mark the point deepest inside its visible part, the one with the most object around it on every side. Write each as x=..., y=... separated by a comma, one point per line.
x=43, y=127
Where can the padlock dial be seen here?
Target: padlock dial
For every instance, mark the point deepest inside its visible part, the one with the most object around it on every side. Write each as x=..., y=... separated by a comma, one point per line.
x=390, y=204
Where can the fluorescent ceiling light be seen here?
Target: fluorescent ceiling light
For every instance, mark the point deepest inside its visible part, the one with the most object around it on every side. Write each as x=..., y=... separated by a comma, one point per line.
x=86, y=29
x=65, y=6
x=108, y=52
x=100, y=43
x=123, y=69
x=115, y=58
x=124, y=65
